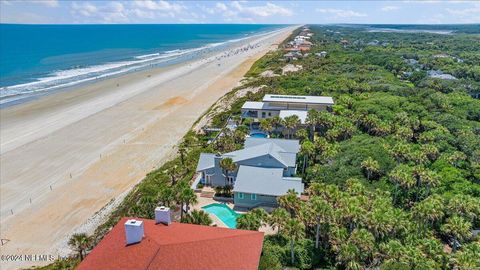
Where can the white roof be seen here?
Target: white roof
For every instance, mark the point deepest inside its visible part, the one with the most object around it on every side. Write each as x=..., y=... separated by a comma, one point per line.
x=298, y=99
x=253, y=105
x=302, y=115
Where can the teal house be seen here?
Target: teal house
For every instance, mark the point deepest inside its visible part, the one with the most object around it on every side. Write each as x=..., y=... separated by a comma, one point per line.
x=265, y=170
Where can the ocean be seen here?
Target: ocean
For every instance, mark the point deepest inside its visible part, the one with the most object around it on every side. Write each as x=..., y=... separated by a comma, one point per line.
x=38, y=59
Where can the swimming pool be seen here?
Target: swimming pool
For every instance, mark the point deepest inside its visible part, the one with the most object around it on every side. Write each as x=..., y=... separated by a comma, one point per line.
x=224, y=213
x=259, y=135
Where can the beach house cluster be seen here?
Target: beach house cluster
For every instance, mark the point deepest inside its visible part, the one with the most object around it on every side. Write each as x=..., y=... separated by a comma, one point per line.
x=265, y=170
x=299, y=46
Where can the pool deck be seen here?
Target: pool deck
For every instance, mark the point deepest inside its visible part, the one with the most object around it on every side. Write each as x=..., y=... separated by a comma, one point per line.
x=203, y=201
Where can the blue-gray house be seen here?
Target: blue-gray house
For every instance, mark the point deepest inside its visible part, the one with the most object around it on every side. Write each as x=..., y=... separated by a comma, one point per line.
x=265, y=170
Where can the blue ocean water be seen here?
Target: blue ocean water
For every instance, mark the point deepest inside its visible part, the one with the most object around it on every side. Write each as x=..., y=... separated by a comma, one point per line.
x=39, y=58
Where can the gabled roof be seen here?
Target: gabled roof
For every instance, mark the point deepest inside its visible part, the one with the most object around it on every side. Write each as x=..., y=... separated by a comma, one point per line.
x=260, y=150
x=265, y=181
x=284, y=151
x=292, y=146
x=206, y=161
x=176, y=247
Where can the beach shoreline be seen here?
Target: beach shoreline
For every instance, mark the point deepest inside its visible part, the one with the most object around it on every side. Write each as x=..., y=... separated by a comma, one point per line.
x=80, y=150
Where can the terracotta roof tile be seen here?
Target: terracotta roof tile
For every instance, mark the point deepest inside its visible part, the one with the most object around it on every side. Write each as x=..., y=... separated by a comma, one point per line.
x=178, y=246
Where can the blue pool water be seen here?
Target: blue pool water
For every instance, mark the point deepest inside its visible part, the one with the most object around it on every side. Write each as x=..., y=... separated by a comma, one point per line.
x=224, y=213
x=258, y=135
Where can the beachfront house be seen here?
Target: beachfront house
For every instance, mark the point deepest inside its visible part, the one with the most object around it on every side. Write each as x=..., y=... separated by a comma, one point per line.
x=265, y=170
x=285, y=105
x=162, y=244
x=321, y=54
x=295, y=55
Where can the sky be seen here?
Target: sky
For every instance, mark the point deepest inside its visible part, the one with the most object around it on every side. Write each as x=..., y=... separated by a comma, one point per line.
x=264, y=12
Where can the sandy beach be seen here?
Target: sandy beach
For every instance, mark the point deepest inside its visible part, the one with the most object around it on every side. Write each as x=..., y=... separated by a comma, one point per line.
x=67, y=159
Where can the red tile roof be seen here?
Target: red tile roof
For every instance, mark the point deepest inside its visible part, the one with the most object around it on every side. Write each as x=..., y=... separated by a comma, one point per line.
x=178, y=246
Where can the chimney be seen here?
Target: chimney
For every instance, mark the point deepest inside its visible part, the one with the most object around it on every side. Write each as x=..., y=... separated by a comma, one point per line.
x=162, y=215
x=134, y=231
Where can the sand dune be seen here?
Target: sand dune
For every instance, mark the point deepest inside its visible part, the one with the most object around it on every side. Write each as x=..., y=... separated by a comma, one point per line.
x=66, y=156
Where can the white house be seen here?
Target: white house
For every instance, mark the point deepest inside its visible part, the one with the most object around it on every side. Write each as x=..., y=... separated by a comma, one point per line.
x=285, y=105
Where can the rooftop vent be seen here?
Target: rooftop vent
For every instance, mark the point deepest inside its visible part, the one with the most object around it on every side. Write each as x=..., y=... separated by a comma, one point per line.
x=134, y=231
x=162, y=215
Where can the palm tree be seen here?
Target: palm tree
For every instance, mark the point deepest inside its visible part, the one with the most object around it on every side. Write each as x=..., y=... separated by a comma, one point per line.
x=324, y=120
x=248, y=122
x=424, y=176
x=186, y=197
x=173, y=172
x=429, y=210
x=266, y=125
x=289, y=201
x=166, y=195
x=294, y=230
x=402, y=176
x=465, y=206
x=358, y=249
x=182, y=150
x=312, y=119
x=307, y=149
x=252, y=220
x=400, y=152
x=322, y=212
x=79, y=242
x=278, y=218
x=457, y=228
x=291, y=122
x=276, y=121
x=198, y=217
x=227, y=165
x=370, y=167
x=430, y=150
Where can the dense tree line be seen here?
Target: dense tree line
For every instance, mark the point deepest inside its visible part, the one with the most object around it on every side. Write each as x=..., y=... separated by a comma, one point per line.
x=394, y=171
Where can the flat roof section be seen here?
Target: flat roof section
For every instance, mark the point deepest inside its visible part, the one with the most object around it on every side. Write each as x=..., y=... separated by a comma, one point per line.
x=298, y=99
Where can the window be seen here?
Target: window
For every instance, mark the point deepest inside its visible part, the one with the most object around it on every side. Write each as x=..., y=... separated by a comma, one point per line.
x=263, y=114
x=240, y=196
x=253, y=197
x=269, y=114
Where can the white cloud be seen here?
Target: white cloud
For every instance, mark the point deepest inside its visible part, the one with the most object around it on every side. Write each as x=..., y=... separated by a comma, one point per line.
x=341, y=13
x=249, y=14
x=221, y=7
x=389, y=8
x=109, y=12
x=424, y=1
x=467, y=15
x=160, y=5
x=242, y=11
x=85, y=9
x=48, y=3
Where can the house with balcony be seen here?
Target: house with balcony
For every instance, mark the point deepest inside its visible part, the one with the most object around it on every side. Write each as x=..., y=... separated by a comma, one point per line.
x=265, y=170
x=285, y=105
